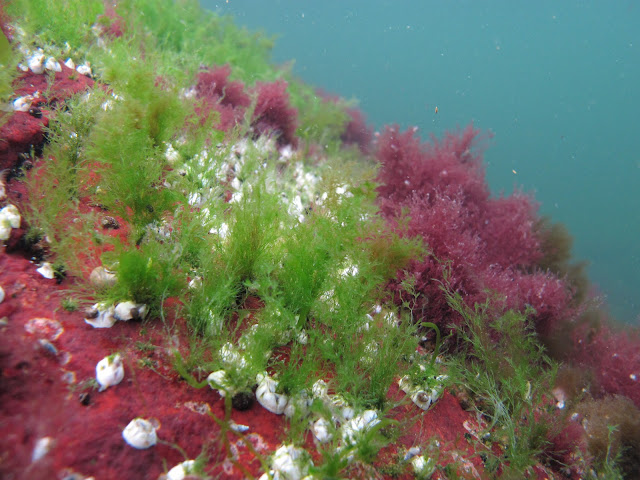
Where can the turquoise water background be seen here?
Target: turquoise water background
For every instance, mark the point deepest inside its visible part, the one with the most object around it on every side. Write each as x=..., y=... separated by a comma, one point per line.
x=556, y=82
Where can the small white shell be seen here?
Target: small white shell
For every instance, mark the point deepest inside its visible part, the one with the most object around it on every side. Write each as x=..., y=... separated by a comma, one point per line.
x=237, y=427
x=36, y=63
x=181, y=470
x=140, y=433
x=126, y=311
x=171, y=154
x=267, y=396
x=218, y=379
x=53, y=65
x=422, y=467
x=104, y=318
x=230, y=356
x=84, y=69
x=101, y=277
x=1, y=294
x=109, y=371
x=302, y=337
x=11, y=215
x=287, y=461
x=42, y=447
x=422, y=399
x=320, y=389
x=70, y=64
x=299, y=404
x=321, y=430
x=22, y=104
x=360, y=423
x=412, y=452
x=46, y=270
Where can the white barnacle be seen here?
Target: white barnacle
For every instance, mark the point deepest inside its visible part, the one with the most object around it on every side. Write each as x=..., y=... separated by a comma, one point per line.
x=46, y=270
x=290, y=463
x=36, y=63
x=69, y=63
x=171, y=154
x=405, y=384
x=84, y=69
x=353, y=429
x=180, y=471
x=128, y=310
x=41, y=448
x=322, y=430
x=101, y=277
x=298, y=405
x=52, y=65
x=10, y=216
x=412, y=452
x=218, y=381
x=422, y=467
x=1, y=294
x=422, y=399
x=109, y=371
x=230, y=356
x=238, y=427
x=101, y=316
x=267, y=396
x=320, y=389
x=22, y=104
x=140, y=433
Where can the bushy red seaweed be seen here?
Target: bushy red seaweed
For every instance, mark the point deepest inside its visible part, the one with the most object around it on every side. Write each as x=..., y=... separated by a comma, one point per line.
x=614, y=358
x=218, y=94
x=480, y=245
x=273, y=113
x=357, y=132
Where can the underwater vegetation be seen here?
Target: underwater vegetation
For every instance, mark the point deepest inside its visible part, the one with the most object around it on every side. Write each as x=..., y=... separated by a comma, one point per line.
x=285, y=256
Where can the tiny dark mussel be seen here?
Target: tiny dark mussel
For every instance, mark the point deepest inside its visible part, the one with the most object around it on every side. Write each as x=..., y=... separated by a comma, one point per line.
x=35, y=112
x=84, y=398
x=110, y=222
x=242, y=400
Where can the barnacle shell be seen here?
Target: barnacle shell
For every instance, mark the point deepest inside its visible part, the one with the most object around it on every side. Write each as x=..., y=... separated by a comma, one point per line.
x=84, y=69
x=181, y=470
x=10, y=215
x=36, y=63
x=140, y=433
x=53, y=65
x=218, y=379
x=267, y=396
x=360, y=423
x=22, y=104
x=101, y=316
x=321, y=430
x=422, y=399
x=46, y=270
x=109, y=371
x=101, y=277
x=126, y=311
x=288, y=462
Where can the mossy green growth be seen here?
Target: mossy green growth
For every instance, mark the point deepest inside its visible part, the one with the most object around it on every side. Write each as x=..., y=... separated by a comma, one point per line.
x=507, y=371
x=185, y=37
x=128, y=146
x=147, y=274
x=58, y=182
x=8, y=72
x=60, y=23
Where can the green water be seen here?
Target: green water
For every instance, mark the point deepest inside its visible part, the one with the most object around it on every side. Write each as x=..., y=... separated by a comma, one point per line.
x=558, y=84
